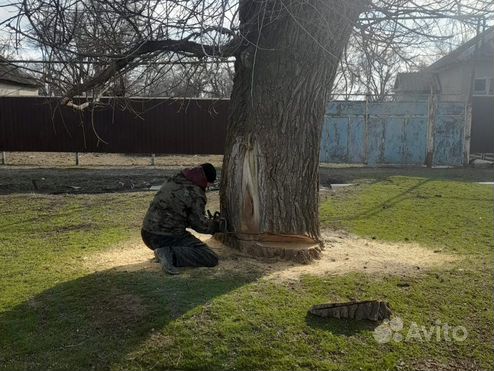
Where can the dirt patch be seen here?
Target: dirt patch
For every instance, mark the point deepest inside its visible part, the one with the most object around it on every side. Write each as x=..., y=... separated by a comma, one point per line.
x=98, y=173
x=343, y=254
x=56, y=173
x=82, y=180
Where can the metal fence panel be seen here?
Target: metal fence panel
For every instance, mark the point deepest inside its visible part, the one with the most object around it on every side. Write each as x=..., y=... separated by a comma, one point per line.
x=375, y=133
x=449, y=135
x=356, y=150
x=415, y=140
x=353, y=132
x=175, y=126
x=392, y=133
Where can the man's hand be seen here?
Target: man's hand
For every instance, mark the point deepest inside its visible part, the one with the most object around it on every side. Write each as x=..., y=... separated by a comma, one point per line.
x=215, y=222
x=214, y=226
x=216, y=215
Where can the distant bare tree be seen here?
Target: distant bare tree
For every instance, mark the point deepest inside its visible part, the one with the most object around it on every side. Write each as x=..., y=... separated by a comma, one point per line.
x=404, y=36
x=212, y=80
x=368, y=69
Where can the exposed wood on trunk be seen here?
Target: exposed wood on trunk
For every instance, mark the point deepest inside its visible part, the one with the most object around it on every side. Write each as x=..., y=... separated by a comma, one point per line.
x=271, y=165
x=296, y=248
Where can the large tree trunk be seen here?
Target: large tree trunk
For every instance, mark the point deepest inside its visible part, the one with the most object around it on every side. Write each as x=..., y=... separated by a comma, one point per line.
x=270, y=176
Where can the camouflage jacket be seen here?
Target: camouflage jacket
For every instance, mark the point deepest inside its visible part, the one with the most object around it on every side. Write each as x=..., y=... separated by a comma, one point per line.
x=179, y=204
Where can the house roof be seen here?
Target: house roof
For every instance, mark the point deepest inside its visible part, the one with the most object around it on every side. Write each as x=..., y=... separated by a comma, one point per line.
x=464, y=52
x=13, y=74
x=417, y=82
x=427, y=79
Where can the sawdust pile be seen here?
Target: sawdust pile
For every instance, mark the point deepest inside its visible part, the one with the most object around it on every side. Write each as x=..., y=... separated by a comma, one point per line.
x=343, y=254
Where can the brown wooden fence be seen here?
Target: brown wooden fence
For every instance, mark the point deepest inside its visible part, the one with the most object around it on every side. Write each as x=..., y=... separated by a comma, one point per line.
x=171, y=126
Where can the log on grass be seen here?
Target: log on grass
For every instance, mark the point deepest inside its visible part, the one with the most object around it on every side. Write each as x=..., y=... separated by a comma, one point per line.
x=372, y=310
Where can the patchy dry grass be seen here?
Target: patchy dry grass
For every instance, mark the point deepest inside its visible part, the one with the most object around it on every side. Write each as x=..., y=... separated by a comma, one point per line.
x=56, y=312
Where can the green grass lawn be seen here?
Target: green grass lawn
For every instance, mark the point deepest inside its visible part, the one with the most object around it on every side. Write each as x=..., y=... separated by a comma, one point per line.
x=56, y=315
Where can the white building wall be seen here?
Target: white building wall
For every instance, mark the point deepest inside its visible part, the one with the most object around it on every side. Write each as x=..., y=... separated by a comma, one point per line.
x=456, y=80
x=17, y=90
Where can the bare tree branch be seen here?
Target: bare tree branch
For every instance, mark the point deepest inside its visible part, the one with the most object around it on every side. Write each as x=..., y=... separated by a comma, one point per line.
x=97, y=43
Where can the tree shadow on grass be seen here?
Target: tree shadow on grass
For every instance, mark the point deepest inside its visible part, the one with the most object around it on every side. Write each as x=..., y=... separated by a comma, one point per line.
x=391, y=201
x=94, y=321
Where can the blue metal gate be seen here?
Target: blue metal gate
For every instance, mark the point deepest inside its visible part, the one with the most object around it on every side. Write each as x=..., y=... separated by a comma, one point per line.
x=394, y=133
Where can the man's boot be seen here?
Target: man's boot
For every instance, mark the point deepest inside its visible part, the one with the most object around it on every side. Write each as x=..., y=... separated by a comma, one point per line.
x=165, y=257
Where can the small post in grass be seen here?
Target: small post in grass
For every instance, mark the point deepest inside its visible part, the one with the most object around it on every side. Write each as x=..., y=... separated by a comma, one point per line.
x=77, y=159
x=152, y=159
x=4, y=158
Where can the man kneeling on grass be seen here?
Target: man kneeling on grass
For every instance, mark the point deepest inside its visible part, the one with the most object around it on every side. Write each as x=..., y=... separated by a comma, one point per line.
x=179, y=204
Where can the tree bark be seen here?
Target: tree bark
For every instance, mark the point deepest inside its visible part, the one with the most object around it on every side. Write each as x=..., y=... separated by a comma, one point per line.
x=283, y=76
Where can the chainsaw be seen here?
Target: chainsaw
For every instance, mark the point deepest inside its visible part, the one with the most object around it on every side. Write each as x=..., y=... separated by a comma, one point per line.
x=222, y=225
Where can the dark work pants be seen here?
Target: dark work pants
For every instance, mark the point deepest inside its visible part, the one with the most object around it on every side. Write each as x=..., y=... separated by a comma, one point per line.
x=186, y=250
